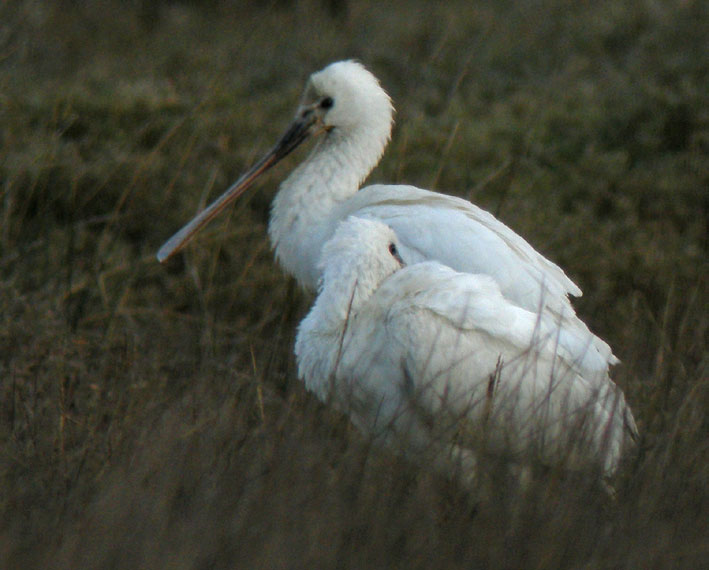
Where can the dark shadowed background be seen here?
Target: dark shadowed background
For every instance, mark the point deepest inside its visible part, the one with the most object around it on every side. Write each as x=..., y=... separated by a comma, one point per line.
x=150, y=416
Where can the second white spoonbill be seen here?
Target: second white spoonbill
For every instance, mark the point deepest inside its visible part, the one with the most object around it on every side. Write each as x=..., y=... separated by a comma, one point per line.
x=351, y=115
x=442, y=361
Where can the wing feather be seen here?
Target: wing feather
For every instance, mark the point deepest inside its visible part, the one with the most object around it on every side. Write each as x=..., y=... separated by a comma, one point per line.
x=454, y=338
x=460, y=235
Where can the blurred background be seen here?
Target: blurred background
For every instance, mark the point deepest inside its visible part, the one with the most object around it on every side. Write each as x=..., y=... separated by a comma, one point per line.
x=150, y=415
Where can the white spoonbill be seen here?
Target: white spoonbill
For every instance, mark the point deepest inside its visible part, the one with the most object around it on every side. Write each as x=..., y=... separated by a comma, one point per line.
x=345, y=107
x=443, y=360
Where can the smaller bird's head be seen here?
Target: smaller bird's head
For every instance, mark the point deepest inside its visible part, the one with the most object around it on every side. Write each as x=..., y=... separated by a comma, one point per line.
x=359, y=257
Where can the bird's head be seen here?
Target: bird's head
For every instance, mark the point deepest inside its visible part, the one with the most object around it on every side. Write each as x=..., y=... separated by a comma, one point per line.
x=359, y=257
x=346, y=96
x=343, y=101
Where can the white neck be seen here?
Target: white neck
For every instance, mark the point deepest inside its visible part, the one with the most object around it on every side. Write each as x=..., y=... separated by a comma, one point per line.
x=302, y=212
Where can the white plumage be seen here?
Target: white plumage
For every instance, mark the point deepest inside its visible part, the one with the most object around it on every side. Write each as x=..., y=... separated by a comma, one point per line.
x=346, y=108
x=443, y=360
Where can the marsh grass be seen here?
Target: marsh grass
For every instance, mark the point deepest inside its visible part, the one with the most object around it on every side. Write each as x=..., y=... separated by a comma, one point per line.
x=150, y=415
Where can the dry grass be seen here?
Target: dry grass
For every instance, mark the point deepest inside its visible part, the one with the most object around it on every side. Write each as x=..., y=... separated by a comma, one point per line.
x=150, y=416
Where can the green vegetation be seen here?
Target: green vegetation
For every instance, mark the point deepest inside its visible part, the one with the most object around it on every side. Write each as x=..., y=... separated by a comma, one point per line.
x=150, y=416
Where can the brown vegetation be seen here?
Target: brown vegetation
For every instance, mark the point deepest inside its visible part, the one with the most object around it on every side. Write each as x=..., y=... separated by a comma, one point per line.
x=150, y=416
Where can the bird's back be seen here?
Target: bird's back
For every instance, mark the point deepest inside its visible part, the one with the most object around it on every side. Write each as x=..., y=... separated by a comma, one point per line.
x=455, y=232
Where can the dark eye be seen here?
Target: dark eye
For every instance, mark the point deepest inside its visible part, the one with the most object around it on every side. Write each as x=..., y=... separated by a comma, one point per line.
x=393, y=250
x=327, y=103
